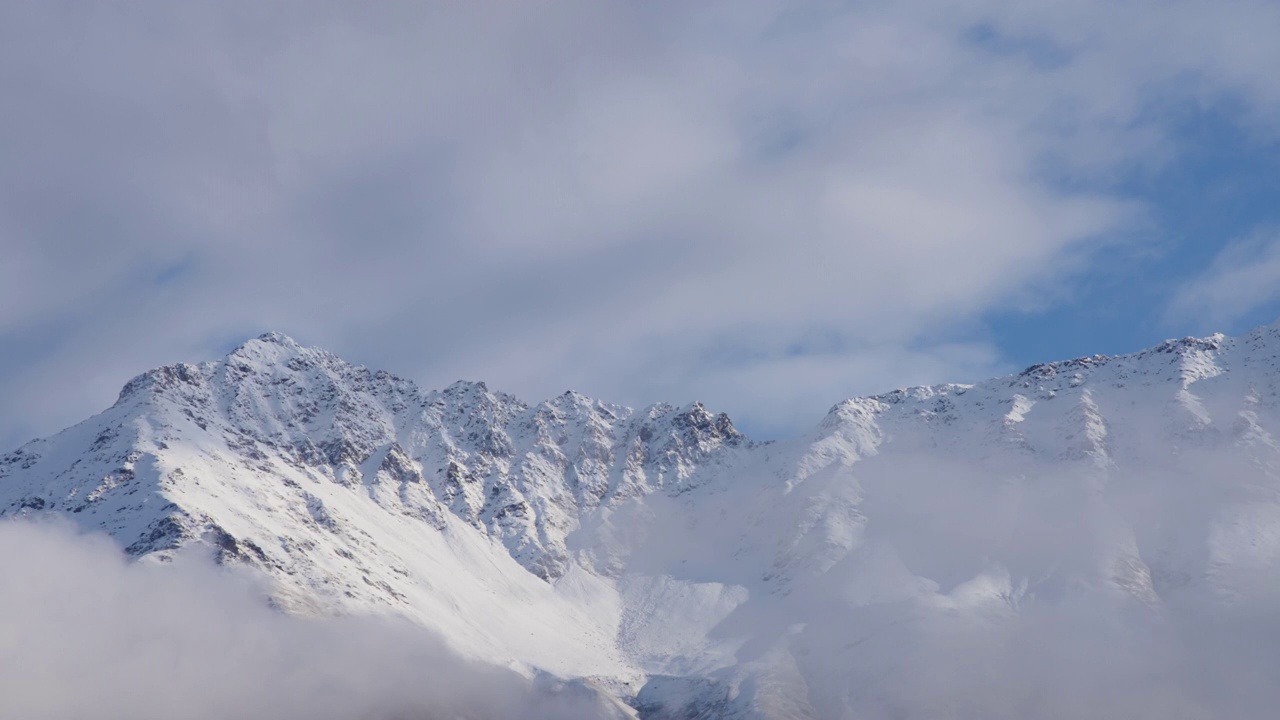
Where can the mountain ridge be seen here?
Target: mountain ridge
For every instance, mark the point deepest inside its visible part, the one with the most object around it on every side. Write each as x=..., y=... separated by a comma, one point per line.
x=631, y=548
x=348, y=413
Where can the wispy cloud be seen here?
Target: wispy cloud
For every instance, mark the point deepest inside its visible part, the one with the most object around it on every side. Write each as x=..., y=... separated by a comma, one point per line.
x=1243, y=277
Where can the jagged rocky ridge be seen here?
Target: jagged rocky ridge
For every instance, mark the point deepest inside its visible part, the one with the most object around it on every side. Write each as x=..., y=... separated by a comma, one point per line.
x=522, y=474
x=632, y=548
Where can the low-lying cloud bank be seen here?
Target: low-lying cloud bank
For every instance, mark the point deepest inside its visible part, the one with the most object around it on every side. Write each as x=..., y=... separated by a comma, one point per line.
x=1151, y=597
x=919, y=586
x=85, y=633
x=970, y=595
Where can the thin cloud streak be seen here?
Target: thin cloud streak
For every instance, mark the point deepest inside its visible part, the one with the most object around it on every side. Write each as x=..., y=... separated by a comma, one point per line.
x=1244, y=276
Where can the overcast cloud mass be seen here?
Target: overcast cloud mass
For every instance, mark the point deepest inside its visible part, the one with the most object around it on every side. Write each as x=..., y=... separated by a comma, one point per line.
x=764, y=205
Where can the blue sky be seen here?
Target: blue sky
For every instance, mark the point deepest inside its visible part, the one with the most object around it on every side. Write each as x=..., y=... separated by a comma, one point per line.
x=1224, y=185
x=764, y=205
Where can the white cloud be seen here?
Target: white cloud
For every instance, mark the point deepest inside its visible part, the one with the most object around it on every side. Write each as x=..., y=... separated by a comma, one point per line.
x=1243, y=277
x=567, y=194
x=102, y=637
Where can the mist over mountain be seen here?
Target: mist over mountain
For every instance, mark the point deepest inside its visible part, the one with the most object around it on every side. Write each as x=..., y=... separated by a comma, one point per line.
x=1097, y=537
x=98, y=637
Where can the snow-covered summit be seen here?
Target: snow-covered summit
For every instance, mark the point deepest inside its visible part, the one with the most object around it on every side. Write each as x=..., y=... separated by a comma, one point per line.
x=515, y=472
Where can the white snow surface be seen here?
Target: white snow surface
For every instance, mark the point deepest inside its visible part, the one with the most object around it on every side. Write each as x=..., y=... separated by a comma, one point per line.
x=659, y=554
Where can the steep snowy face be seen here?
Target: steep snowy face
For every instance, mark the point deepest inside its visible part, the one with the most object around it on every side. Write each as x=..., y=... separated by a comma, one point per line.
x=662, y=555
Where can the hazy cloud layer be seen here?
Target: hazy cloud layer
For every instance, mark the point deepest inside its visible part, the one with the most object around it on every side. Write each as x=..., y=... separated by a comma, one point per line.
x=641, y=201
x=87, y=635
x=926, y=585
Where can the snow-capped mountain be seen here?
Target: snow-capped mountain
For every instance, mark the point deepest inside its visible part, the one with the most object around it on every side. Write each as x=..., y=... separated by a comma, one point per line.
x=661, y=556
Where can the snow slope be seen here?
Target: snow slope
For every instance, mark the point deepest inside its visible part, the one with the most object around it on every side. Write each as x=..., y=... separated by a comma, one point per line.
x=661, y=556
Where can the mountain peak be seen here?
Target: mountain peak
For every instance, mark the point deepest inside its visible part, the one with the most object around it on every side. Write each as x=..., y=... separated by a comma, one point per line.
x=276, y=338
x=270, y=344
x=270, y=351
x=461, y=387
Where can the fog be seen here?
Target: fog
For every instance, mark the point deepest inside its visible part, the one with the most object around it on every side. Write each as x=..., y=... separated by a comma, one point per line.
x=87, y=634
x=909, y=586
x=1057, y=593
x=919, y=585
